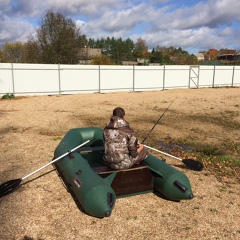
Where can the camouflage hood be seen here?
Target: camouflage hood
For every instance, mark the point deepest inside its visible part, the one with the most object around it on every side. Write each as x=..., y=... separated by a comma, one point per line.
x=117, y=122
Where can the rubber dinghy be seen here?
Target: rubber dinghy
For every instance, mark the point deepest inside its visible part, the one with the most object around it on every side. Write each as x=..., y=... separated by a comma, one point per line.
x=96, y=187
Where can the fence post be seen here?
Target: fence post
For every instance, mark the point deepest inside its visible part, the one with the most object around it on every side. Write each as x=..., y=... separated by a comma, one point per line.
x=13, y=80
x=133, y=78
x=164, y=76
x=214, y=69
x=233, y=76
x=189, y=77
x=198, y=76
x=59, y=79
x=99, y=79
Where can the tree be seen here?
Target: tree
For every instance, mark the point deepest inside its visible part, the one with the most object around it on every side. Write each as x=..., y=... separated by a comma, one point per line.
x=128, y=50
x=212, y=54
x=117, y=50
x=120, y=50
x=227, y=51
x=156, y=57
x=102, y=60
x=91, y=43
x=13, y=52
x=140, y=49
x=1, y=56
x=32, y=52
x=58, y=39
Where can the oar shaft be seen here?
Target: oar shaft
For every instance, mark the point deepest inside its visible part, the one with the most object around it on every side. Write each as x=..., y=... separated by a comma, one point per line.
x=55, y=160
x=167, y=154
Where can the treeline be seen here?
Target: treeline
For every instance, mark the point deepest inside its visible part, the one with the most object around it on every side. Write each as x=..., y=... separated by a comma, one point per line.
x=119, y=50
x=114, y=52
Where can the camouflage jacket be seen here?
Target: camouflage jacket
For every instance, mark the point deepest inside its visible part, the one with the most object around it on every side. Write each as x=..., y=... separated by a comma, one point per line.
x=120, y=141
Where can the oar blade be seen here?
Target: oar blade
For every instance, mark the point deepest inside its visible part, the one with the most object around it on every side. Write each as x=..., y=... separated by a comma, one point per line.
x=193, y=164
x=9, y=187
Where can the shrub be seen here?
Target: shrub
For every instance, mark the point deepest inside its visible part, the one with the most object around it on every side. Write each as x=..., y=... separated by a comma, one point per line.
x=8, y=96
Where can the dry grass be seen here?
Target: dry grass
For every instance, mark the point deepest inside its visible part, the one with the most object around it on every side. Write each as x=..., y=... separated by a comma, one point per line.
x=41, y=208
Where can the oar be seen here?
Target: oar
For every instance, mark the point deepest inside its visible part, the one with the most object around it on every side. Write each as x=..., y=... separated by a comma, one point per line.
x=11, y=185
x=190, y=163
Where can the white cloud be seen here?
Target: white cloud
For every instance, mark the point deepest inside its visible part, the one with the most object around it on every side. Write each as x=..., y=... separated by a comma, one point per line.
x=84, y=8
x=203, y=38
x=14, y=30
x=160, y=22
x=226, y=32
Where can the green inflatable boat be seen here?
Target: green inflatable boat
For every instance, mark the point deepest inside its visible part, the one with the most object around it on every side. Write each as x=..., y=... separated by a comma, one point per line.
x=96, y=187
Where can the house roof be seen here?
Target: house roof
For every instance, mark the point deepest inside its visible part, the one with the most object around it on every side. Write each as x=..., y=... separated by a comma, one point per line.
x=199, y=55
x=89, y=53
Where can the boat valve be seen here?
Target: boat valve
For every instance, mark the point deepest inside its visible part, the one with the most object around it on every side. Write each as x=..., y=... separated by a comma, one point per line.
x=108, y=213
x=180, y=186
x=191, y=196
x=110, y=199
x=70, y=155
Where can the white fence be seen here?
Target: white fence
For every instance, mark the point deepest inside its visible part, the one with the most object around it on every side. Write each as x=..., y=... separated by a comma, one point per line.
x=52, y=79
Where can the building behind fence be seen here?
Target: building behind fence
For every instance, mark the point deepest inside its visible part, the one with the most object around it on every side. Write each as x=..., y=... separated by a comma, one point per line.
x=52, y=79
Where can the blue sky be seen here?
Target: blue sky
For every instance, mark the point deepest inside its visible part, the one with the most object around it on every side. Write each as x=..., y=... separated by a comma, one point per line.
x=193, y=25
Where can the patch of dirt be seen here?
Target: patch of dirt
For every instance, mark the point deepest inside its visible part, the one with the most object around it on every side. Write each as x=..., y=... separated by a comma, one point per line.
x=43, y=209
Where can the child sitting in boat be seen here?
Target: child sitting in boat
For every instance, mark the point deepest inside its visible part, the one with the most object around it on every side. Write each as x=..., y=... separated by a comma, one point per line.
x=122, y=149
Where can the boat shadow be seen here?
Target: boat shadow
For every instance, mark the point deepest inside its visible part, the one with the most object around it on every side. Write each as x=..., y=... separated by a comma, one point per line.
x=67, y=186
x=42, y=175
x=160, y=195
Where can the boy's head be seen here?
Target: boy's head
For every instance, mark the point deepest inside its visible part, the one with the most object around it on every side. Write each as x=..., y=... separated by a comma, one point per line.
x=119, y=112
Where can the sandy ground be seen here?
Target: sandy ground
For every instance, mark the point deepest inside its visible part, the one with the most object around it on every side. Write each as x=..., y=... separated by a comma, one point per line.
x=32, y=127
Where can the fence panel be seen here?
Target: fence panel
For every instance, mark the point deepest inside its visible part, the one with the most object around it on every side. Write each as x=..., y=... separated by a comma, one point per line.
x=79, y=79
x=36, y=78
x=116, y=78
x=6, y=83
x=223, y=76
x=236, y=76
x=176, y=77
x=206, y=76
x=150, y=78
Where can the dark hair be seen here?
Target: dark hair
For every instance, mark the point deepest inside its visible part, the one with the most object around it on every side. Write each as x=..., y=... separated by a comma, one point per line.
x=118, y=112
